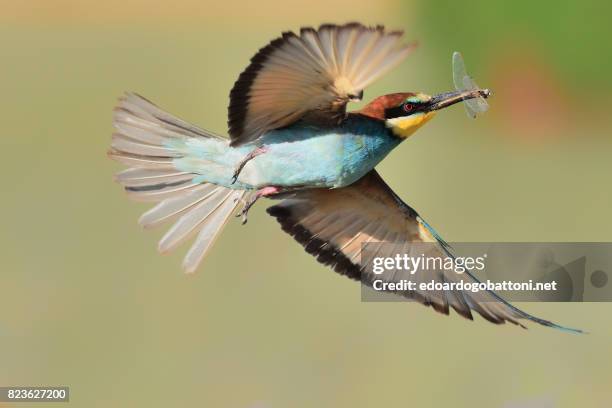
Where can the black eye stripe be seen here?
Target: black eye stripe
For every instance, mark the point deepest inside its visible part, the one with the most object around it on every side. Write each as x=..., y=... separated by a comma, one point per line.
x=403, y=109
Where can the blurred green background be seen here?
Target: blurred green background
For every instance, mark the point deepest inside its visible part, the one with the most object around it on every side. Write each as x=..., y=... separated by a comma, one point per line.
x=86, y=301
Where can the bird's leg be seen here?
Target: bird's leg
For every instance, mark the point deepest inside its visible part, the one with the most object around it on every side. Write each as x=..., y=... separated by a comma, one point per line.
x=252, y=154
x=262, y=192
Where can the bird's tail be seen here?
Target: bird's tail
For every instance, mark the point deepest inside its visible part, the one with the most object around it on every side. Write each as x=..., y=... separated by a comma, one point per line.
x=149, y=140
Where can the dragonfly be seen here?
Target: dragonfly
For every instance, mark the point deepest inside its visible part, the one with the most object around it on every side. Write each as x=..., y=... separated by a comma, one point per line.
x=464, y=82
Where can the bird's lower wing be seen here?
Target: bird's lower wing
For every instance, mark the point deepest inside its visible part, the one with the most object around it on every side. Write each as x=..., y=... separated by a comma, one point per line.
x=332, y=225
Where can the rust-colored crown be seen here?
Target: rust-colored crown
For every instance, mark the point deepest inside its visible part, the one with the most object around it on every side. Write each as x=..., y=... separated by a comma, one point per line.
x=376, y=108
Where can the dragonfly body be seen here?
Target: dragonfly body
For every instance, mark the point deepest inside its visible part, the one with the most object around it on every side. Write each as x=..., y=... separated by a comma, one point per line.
x=297, y=156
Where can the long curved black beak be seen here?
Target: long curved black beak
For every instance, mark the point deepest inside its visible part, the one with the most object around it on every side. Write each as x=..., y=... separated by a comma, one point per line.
x=447, y=99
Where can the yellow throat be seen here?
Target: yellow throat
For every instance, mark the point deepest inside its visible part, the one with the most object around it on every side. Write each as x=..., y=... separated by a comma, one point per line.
x=405, y=126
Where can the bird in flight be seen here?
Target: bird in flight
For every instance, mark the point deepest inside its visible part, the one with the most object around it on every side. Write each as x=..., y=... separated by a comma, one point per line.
x=292, y=139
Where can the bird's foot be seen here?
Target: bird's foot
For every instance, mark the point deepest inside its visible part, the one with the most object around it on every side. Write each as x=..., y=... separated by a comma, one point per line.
x=262, y=192
x=254, y=153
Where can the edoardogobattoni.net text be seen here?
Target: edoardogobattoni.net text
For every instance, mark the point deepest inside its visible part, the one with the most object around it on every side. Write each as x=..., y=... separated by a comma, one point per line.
x=404, y=284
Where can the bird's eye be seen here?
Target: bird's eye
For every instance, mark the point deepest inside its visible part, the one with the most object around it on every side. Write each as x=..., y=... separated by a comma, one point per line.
x=408, y=107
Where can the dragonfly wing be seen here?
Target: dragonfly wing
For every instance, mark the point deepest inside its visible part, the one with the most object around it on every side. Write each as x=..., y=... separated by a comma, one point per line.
x=470, y=112
x=458, y=71
x=478, y=105
x=463, y=81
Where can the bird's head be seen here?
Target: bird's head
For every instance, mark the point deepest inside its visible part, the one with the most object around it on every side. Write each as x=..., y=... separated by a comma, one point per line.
x=405, y=112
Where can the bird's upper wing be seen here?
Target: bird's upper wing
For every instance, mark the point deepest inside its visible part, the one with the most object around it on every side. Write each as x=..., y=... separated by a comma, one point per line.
x=310, y=76
x=332, y=225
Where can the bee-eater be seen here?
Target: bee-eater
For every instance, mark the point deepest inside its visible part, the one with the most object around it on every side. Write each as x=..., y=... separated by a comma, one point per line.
x=292, y=139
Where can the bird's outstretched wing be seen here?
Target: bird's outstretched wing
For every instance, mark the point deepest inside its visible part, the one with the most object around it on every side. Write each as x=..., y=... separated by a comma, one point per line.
x=333, y=224
x=310, y=77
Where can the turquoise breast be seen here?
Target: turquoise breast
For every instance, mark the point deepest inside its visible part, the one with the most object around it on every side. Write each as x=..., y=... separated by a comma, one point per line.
x=306, y=156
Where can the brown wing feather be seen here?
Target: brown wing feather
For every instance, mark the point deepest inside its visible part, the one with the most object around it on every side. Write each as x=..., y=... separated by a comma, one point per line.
x=332, y=225
x=310, y=77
